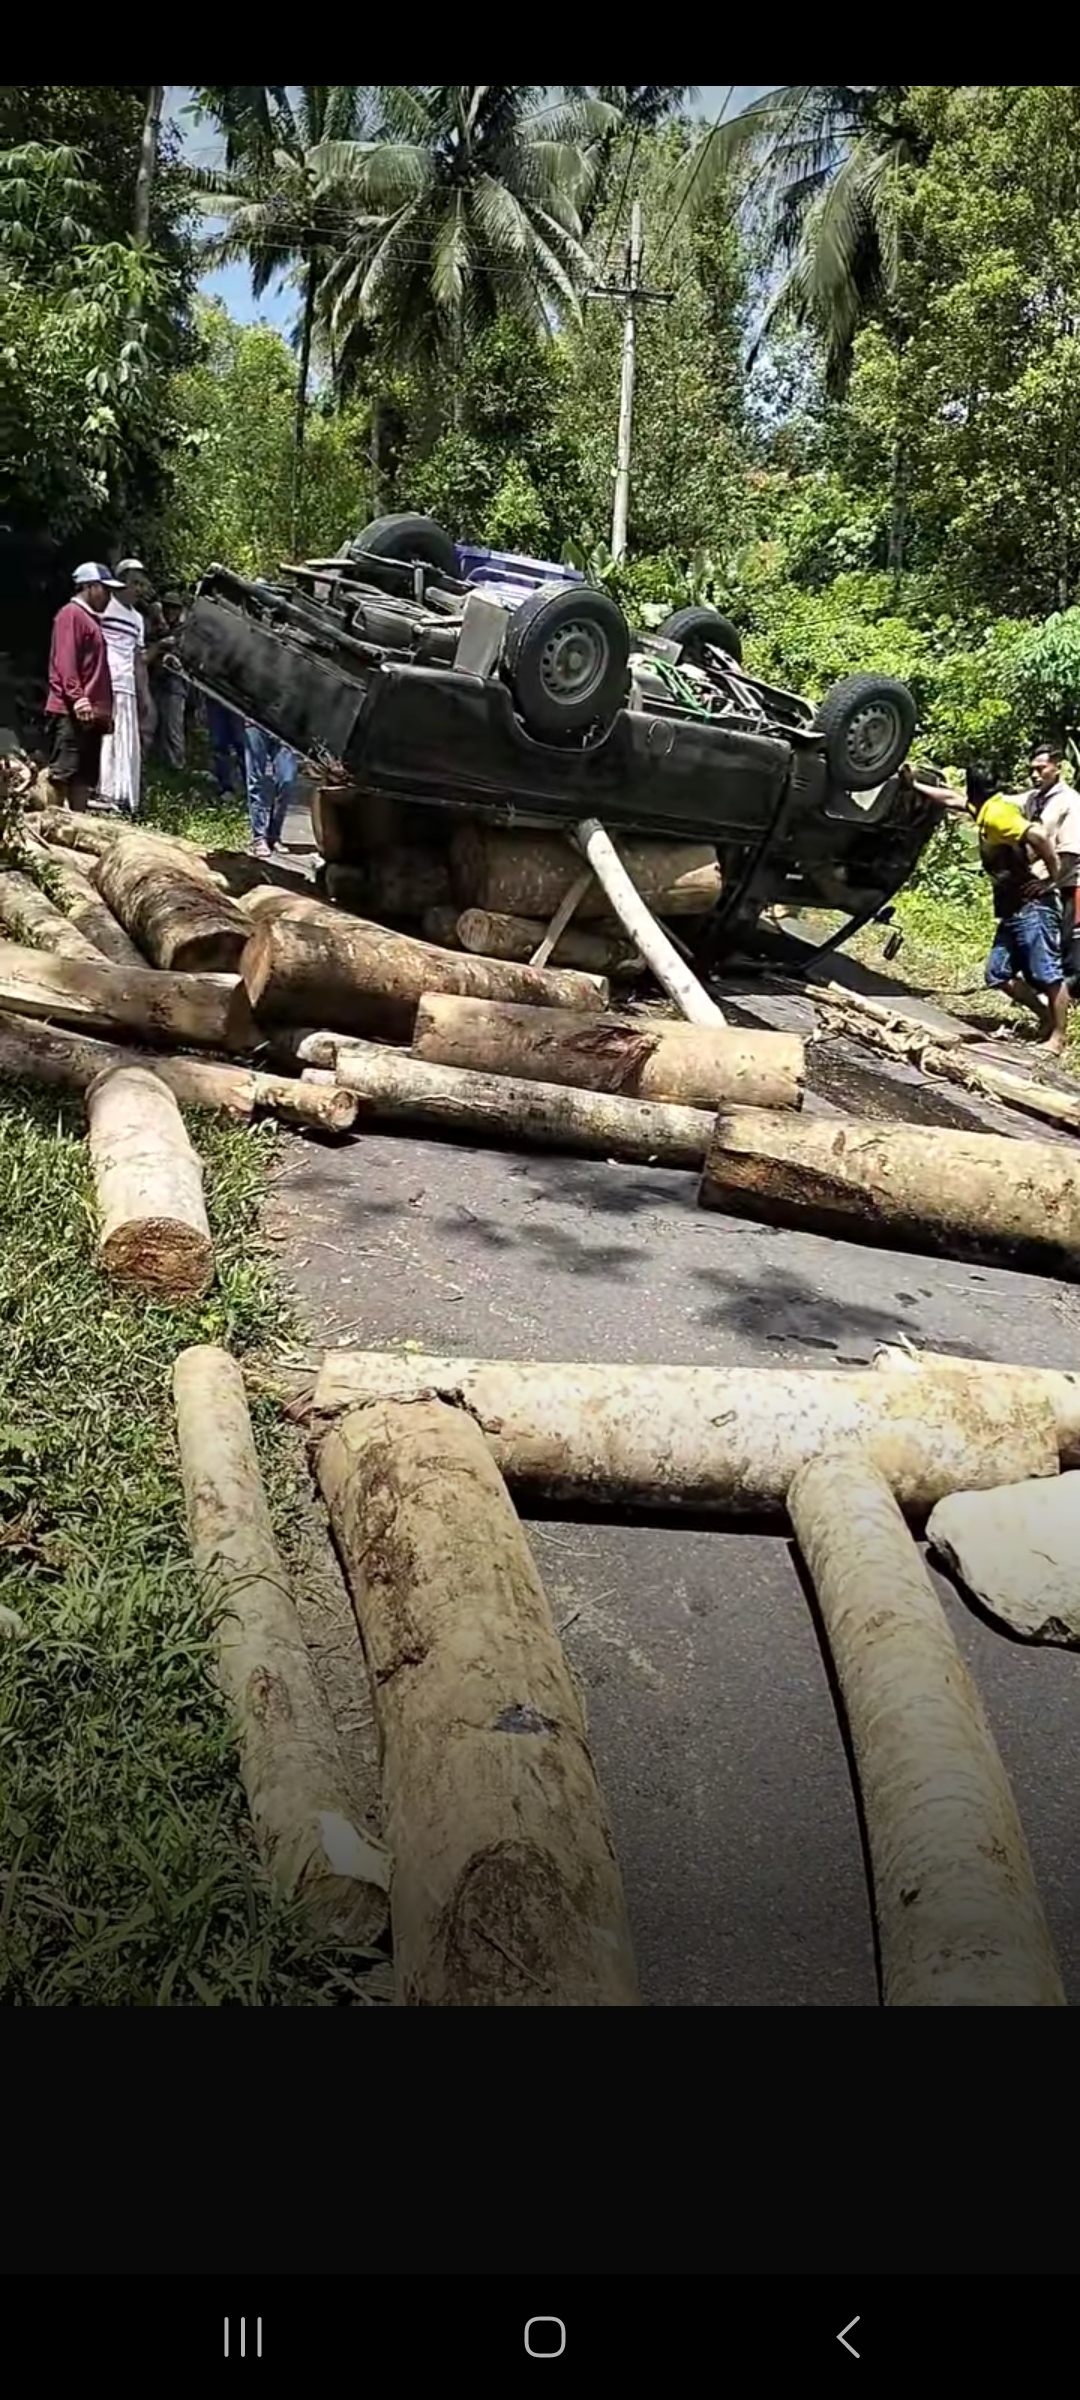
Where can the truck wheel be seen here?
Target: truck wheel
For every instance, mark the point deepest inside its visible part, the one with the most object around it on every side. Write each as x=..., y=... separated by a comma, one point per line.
x=868, y=723
x=696, y=628
x=418, y=541
x=566, y=657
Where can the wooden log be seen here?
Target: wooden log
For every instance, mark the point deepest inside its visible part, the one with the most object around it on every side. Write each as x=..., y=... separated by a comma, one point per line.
x=154, y=1234
x=528, y=874
x=701, y=1066
x=397, y=1088
x=492, y=936
x=959, y=1920
x=97, y=836
x=1016, y=1551
x=310, y=1841
x=440, y=926
x=292, y=1047
x=268, y=902
x=85, y=909
x=34, y=1053
x=671, y=972
x=341, y=972
x=235, y=872
x=1060, y=1390
x=721, y=1441
x=211, y=1011
x=506, y=1891
x=972, y=1196
x=27, y=913
x=393, y=883
x=180, y=922
x=329, y=810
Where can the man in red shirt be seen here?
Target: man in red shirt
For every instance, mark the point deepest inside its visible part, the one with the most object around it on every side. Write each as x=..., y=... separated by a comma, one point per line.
x=80, y=702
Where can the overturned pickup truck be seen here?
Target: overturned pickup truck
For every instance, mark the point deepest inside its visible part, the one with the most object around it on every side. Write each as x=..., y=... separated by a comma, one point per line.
x=411, y=670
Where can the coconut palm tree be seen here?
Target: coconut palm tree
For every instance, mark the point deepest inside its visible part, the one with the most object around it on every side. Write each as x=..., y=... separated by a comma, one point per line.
x=826, y=161
x=641, y=108
x=466, y=203
x=278, y=211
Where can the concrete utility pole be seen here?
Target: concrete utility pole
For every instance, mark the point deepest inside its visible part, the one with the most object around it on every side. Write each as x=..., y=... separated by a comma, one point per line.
x=631, y=293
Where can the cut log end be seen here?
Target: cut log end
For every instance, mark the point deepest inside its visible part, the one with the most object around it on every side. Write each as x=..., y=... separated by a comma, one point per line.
x=157, y=1256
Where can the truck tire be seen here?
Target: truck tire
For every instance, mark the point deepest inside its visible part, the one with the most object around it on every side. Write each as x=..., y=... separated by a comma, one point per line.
x=418, y=541
x=694, y=628
x=868, y=725
x=566, y=657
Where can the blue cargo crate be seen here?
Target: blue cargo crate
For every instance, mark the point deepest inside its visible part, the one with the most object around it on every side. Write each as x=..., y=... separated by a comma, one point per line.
x=515, y=578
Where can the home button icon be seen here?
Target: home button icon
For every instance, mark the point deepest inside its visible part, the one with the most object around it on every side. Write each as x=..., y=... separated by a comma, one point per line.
x=545, y=2337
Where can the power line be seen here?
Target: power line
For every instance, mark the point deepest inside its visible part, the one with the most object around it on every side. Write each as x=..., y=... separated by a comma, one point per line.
x=714, y=129
x=616, y=217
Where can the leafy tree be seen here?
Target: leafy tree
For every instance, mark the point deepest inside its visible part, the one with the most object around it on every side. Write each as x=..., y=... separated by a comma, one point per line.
x=642, y=106
x=507, y=473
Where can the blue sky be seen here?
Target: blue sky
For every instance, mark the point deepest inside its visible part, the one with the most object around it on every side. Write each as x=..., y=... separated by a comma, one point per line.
x=278, y=306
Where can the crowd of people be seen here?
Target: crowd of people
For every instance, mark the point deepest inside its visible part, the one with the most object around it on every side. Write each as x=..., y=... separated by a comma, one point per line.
x=118, y=696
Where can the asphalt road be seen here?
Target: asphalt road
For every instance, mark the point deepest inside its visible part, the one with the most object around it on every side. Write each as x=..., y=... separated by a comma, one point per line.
x=712, y=1722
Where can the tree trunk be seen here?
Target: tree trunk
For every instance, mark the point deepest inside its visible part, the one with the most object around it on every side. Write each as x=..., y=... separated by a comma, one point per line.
x=71, y=830
x=209, y=1010
x=294, y=1048
x=148, y=159
x=305, y=1825
x=506, y=1892
x=88, y=914
x=701, y=1066
x=958, y=1916
x=971, y=1196
x=491, y=936
x=396, y=1087
x=721, y=1441
x=440, y=926
x=25, y=912
x=268, y=902
x=1060, y=1390
x=362, y=979
x=1016, y=1551
x=673, y=976
x=71, y=1062
x=394, y=883
x=181, y=923
x=528, y=874
x=154, y=1234
x=311, y=293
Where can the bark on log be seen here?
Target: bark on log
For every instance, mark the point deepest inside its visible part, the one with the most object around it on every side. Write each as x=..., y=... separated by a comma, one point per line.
x=308, y=1836
x=722, y=1441
x=343, y=973
x=210, y=1010
x=670, y=970
x=440, y=926
x=267, y=903
x=1017, y=1551
x=959, y=1920
x=97, y=836
x=972, y=1196
x=153, y=1233
x=31, y=917
x=700, y=1066
x=328, y=815
x=401, y=1089
x=394, y=883
x=528, y=874
x=182, y=924
x=883, y=1012
x=1060, y=1390
x=506, y=1890
x=293, y=1047
x=34, y=1053
x=87, y=912
x=492, y=936
x=997, y=1083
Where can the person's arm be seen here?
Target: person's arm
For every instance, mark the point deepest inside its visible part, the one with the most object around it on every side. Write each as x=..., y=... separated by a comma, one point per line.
x=67, y=669
x=1041, y=847
x=939, y=793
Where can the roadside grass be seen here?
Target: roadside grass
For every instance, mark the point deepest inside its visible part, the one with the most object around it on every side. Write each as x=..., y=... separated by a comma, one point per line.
x=128, y=1873
x=188, y=804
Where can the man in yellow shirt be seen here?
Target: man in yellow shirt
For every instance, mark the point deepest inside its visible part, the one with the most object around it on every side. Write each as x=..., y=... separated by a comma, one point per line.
x=1023, y=865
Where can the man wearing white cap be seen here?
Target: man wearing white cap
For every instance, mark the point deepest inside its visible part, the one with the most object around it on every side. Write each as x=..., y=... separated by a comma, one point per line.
x=80, y=703
x=125, y=635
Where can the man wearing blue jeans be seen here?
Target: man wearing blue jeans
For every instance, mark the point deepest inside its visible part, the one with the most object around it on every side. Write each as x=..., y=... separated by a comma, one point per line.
x=226, y=731
x=1024, y=870
x=272, y=771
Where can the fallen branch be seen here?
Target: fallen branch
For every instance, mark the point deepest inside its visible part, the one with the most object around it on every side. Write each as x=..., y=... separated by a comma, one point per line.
x=293, y=1776
x=209, y=1010
x=34, y=1053
x=700, y=1066
x=153, y=1228
x=401, y=1089
x=506, y=1891
x=959, y=1920
x=561, y=919
x=339, y=971
x=971, y=1196
x=865, y=1004
x=722, y=1441
x=647, y=936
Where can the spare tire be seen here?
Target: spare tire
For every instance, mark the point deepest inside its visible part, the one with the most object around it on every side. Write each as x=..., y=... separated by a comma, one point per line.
x=696, y=629
x=868, y=724
x=417, y=541
x=566, y=657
